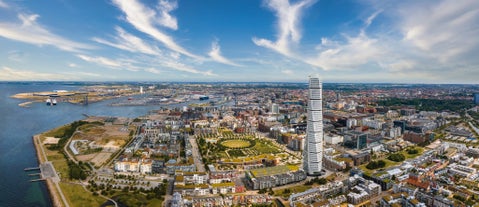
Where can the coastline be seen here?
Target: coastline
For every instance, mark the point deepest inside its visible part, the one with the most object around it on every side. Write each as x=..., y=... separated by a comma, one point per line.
x=56, y=202
x=25, y=104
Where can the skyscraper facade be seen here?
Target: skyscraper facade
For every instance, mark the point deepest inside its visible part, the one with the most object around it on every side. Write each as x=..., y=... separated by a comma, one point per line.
x=313, y=149
x=476, y=98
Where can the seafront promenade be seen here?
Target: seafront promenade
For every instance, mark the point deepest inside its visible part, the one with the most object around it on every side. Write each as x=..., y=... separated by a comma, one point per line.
x=49, y=174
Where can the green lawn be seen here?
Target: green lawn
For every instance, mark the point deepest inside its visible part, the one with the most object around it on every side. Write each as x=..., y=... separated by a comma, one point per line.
x=293, y=189
x=236, y=143
x=155, y=202
x=266, y=147
x=389, y=164
x=412, y=156
x=77, y=196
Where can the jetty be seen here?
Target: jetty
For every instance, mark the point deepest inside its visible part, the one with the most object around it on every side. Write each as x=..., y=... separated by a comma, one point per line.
x=46, y=171
x=31, y=168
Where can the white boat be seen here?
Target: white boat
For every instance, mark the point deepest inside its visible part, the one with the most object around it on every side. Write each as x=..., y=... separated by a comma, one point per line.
x=49, y=102
x=54, y=101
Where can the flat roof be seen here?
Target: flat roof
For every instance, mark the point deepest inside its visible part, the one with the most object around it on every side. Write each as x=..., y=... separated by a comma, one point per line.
x=268, y=171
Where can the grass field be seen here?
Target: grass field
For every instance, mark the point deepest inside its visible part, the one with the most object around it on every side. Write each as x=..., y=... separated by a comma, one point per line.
x=411, y=156
x=58, y=132
x=59, y=162
x=293, y=189
x=155, y=202
x=236, y=143
x=266, y=147
x=389, y=164
x=77, y=196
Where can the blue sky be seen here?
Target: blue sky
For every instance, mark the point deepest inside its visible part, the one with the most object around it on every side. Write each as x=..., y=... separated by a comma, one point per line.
x=405, y=41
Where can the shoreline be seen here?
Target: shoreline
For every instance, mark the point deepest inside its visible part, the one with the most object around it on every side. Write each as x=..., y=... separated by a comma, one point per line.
x=25, y=104
x=55, y=200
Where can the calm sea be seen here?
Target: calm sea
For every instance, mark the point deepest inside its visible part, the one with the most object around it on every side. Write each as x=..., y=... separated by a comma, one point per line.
x=18, y=125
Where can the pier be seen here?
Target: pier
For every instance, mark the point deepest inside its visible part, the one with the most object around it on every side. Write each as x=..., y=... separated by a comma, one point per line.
x=46, y=171
x=31, y=168
x=36, y=180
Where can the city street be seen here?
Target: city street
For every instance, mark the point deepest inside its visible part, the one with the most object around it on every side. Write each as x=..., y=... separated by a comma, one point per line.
x=200, y=167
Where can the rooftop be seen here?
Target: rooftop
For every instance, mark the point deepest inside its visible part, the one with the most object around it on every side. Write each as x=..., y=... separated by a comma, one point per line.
x=268, y=171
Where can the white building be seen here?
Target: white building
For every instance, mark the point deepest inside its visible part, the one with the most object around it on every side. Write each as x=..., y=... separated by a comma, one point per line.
x=313, y=150
x=333, y=139
x=274, y=109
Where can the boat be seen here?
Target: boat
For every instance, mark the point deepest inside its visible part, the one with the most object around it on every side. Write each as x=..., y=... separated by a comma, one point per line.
x=49, y=102
x=54, y=101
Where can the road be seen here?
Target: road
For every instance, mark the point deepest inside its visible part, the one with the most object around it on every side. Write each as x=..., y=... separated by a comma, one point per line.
x=200, y=167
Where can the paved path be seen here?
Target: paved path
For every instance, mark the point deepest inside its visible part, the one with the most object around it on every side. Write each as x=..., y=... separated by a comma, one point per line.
x=200, y=167
x=50, y=171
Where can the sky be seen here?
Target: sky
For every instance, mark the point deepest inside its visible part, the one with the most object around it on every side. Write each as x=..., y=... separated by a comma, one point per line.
x=360, y=41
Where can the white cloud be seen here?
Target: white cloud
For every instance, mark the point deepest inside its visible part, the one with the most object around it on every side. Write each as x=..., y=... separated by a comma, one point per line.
x=355, y=51
x=144, y=20
x=73, y=65
x=287, y=72
x=15, y=55
x=129, y=42
x=3, y=4
x=78, y=73
x=153, y=70
x=165, y=19
x=215, y=54
x=444, y=29
x=430, y=39
x=10, y=74
x=185, y=68
x=288, y=28
x=144, y=62
x=101, y=61
x=29, y=31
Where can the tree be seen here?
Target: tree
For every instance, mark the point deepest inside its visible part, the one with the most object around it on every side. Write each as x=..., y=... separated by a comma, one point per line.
x=397, y=157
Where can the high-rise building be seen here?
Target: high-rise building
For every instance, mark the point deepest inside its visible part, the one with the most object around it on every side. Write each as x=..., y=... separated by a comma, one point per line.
x=313, y=150
x=476, y=98
x=274, y=109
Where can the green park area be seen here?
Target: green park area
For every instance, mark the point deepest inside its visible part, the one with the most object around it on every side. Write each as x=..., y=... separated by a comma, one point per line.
x=236, y=143
x=392, y=159
x=233, y=148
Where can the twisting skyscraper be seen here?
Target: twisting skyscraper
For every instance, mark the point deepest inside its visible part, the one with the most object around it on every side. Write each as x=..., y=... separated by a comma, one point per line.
x=313, y=149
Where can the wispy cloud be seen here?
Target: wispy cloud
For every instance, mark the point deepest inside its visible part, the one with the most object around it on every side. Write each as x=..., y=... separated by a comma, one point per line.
x=288, y=28
x=73, y=65
x=15, y=55
x=102, y=61
x=80, y=73
x=185, y=68
x=10, y=74
x=153, y=70
x=29, y=31
x=145, y=19
x=215, y=54
x=444, y=29
x=355, y=51
x=165, y=19
x=148, y=64
x=3, y=4
x=287, y=72
x=129, y=42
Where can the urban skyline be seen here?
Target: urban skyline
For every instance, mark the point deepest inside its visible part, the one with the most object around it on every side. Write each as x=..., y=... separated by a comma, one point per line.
x=278, y=40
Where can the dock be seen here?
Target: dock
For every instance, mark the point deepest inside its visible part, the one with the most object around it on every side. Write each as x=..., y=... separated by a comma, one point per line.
x=46, y=171
x=31, y=168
